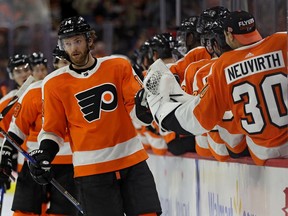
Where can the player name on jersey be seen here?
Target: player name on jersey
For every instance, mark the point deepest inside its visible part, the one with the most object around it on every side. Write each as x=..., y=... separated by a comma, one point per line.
x=254, y=65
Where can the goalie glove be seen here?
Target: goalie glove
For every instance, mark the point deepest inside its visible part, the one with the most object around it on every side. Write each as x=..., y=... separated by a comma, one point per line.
x=164, y=92
x=160, y=80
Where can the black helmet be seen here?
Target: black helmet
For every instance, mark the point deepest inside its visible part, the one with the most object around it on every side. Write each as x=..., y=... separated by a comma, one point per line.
x=17, y=60
x=58, y=54
x=135, y=59
x=38, y=58
x=210, y=27
x=187, y=28
x=163, y=44
x=73, y=26
x=208, y=16
x=145, y=51
x=189, y=24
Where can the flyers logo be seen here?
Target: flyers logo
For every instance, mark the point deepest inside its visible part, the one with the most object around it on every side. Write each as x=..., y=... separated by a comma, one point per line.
x=204, y=90
x=99, y=99
x=17, y=109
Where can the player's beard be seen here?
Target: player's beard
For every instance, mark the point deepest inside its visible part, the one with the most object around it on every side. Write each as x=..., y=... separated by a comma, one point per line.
x=80, y=58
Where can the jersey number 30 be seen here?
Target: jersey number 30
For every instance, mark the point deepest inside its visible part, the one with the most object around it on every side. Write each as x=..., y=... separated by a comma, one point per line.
x=273, y=89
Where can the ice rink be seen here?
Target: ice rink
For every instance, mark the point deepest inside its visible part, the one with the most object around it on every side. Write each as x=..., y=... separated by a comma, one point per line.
x=7, y=203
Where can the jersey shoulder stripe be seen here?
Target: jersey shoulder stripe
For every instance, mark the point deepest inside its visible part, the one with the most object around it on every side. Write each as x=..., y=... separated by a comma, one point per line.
x=8, y=96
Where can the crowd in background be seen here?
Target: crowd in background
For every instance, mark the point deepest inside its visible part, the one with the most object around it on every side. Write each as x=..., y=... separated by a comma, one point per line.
x=122, y=25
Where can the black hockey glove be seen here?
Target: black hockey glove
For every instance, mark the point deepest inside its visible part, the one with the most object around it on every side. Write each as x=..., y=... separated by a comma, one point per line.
x=182, y=145
x=142, y=109
x=6, y=167
x=41, y=172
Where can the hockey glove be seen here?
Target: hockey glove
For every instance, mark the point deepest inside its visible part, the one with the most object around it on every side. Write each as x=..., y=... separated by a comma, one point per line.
x=6, y=167
x=141, y=107
x=182, y=145
x=40, y=172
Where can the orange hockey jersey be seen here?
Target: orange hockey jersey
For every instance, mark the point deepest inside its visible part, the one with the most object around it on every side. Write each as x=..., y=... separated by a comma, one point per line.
x=96, y=106
x=193, y=55
x=27, y=122
x=4, y=124
x=250, y=81
x=207, y=144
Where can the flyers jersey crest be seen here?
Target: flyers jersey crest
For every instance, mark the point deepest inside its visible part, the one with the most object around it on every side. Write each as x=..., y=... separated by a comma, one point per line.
x=99, y=99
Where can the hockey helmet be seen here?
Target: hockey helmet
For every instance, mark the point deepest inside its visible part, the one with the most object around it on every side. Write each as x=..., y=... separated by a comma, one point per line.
x=187, y=28
x=210, y=27
x=189, y=24
x=209, y=15
x=73, y=26
x=163, y=44
x=145, y=54
x=59, y=54
x=16, y=61
x=38, y=58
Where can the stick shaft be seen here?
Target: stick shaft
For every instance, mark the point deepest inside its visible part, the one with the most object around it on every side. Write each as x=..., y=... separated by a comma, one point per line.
x=62, y=190
x=2, y=191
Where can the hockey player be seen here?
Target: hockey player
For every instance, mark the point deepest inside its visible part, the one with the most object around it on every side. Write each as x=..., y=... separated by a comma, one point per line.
x=160, y=46
x=30, y=198
x=198, y=52
x=19, y=69
x=89, y=97
x=210, y=27
x=251, y=81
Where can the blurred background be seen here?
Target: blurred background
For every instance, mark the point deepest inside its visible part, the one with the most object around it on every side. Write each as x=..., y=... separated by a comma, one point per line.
x=28, y=26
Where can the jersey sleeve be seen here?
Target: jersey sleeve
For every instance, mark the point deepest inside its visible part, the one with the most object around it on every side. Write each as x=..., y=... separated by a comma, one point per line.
x=54, y=121
x=25, y=114
x=201, y=114
x=130, y=86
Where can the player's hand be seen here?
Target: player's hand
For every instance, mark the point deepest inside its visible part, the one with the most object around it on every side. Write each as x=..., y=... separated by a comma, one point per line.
x=41, y=171
x=142, y=109
x=179, y=146
x=6, y=168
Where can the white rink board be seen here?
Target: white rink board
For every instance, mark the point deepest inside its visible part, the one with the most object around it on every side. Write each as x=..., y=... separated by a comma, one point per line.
x=169, y=174
x=198, y=187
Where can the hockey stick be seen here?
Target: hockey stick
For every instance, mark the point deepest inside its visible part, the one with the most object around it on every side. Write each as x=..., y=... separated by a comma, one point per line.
x=62, y=190
x=2, y=191
x=3, y=113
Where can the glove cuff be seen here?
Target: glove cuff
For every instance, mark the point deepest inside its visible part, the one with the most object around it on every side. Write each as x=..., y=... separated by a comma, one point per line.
x=50, y=147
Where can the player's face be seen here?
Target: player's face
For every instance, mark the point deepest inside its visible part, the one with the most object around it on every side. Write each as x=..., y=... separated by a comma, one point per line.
x=39, y=71
x=77, y=49
x=21, y=73
x=229, y=39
